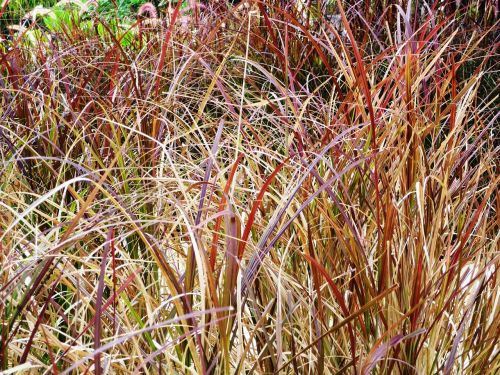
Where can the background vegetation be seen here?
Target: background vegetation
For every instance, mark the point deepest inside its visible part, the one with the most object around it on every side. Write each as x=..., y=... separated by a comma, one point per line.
x=14, y=10
x=277, y=187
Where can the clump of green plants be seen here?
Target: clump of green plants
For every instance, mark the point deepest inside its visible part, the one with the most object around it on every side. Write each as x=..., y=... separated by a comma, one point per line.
x=14, y=10
x=120, y=8
x=251, y=190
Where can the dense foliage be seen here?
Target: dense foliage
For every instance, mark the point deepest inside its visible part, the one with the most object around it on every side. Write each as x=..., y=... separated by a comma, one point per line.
x=272, y=187
x=14, y=10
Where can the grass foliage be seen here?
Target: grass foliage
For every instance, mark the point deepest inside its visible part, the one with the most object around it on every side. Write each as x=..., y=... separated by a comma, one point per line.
x=14, y=10
x=259, y=190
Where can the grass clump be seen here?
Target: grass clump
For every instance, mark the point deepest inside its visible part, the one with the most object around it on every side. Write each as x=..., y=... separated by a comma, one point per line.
x=251, y=190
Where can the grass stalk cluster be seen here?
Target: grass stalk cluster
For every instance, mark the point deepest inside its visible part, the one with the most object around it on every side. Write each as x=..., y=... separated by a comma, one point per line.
x=285, y=188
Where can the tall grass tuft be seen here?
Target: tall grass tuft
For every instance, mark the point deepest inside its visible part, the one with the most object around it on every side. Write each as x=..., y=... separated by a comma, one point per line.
x=285, y=187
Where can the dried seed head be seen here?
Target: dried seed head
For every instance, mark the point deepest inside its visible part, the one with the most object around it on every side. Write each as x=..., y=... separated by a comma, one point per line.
x=147, y=10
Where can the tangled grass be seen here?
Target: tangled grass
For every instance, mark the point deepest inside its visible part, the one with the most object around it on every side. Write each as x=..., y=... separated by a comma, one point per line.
x=256, y=193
